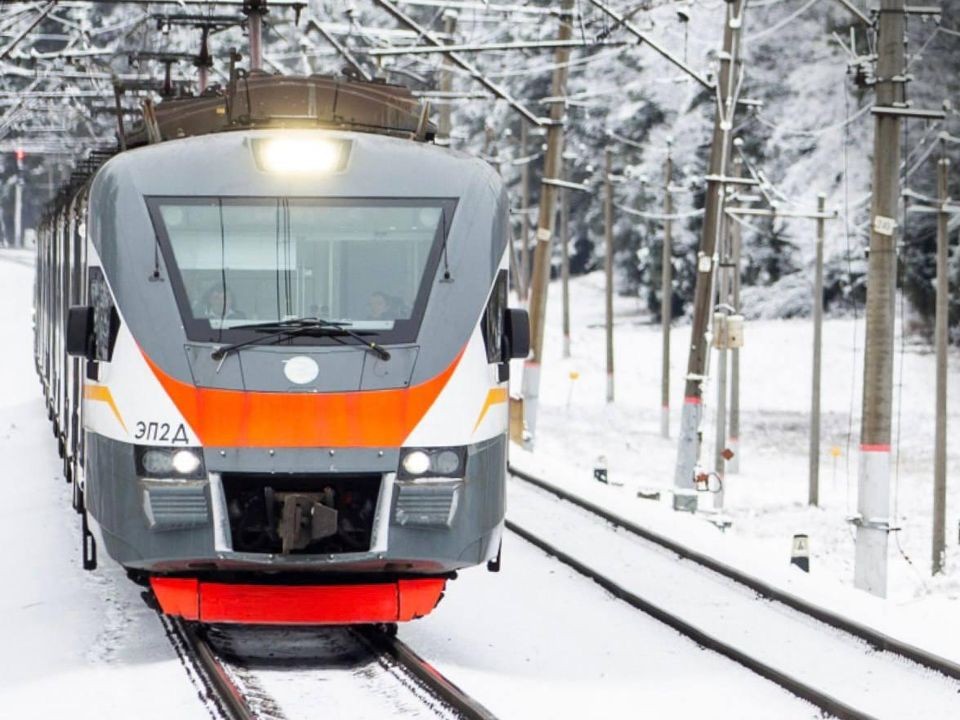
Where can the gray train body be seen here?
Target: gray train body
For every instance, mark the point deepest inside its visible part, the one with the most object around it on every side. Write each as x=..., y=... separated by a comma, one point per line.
x=286, y=424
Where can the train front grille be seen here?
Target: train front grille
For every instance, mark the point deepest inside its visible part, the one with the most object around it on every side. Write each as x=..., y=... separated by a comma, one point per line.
x=425, y=505
x=301, y=513
x=175, y=507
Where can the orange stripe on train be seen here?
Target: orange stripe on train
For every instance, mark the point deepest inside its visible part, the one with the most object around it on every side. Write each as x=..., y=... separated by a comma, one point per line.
x=101, y=393
x=237, y=418
x=494, y=397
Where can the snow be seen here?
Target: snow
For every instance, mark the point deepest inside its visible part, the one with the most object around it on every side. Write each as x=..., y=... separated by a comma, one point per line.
x=538, y=640
x=75, y=644
x=289, y=672
x=767, y=500
x=880, y=684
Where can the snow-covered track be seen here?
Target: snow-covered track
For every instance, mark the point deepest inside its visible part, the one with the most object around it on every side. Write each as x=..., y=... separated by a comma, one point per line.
x=822, y=700
x=270, y=673
x=218, y=690
x=837, y=669
x=876, y=638
x=390, y=645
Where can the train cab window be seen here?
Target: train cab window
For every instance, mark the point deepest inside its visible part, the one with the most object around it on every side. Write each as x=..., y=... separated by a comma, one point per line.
x=238, y=261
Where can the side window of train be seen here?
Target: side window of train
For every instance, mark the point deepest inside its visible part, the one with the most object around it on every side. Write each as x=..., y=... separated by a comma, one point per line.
x=106, y=320
x=492, y=327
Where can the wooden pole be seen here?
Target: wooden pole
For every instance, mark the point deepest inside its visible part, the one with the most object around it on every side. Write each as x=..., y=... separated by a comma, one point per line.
x=540, y=280
x=873, y=485
x=688, y=445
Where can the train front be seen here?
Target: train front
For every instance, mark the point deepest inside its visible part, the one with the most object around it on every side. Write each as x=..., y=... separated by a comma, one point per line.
x=295, y=399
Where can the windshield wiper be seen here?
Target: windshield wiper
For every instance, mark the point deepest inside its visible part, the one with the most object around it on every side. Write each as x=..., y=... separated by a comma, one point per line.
x=295, y=327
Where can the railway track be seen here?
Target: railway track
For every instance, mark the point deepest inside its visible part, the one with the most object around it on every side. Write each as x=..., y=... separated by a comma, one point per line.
x=265, y=673
x=757, y=625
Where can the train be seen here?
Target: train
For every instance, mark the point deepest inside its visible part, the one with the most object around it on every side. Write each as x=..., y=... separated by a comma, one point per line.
x=273, y=335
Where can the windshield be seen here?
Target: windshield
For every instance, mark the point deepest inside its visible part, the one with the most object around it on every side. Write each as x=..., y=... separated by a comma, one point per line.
x=241, y=261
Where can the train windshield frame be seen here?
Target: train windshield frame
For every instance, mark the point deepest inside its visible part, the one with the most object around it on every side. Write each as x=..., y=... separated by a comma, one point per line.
x=241, y=260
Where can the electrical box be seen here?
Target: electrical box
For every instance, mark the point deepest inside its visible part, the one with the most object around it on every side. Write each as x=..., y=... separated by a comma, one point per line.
x=727, y=331
x=720, y=331
x=734, y=331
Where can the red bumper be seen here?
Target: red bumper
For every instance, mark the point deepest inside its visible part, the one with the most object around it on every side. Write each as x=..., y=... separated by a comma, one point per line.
x=212, y=602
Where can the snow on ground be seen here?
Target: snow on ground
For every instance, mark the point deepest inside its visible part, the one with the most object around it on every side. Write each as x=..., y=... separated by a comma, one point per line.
x=767, y=500
x=74, y=644
x=539, y=640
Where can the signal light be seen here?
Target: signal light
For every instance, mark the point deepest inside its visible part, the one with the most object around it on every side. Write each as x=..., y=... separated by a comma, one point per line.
x=20, y=155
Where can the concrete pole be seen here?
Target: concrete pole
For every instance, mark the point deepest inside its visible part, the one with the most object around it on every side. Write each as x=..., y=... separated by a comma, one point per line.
x=873, y=485
x=541, y=261
x=18, y=212
x=446, y=81
x=255, y=30
x=941, y=330
x=733, y=431
x=524, y=210
x=565, y=268
x=813, y=494
x=608, y=264
x=688, y=447
x=666, y=295
x=723, y=297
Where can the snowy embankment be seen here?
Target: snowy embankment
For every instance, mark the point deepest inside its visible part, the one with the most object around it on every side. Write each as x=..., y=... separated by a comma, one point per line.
x=767, y=499
x=75, y=644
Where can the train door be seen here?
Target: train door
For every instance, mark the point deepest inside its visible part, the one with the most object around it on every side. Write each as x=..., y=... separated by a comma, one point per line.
x=75, y=364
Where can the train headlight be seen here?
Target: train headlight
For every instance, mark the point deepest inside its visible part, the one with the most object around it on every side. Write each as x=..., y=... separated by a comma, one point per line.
x=446, y=462
x=416, y=462
x=185, y=462
x=443, y=462
x=160, y=462
x=300, y=155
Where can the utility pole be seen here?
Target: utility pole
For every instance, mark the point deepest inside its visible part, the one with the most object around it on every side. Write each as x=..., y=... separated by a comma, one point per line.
x=446, y=80
x=255, y=10
x=565, y=267
x=873, y=486
x=18, y=201
x=524, y=210
x=940, y=340
x=813, y=494
x=721, y=314
x=541, y=260
x=733, y=432
x=688, y=447
x=203, y=62
x=666, y=294
x=608, y=264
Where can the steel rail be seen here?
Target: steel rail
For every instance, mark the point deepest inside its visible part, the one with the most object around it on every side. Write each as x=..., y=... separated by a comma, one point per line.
x=227, y=697
x=388, y=644
x=822, y=700
x=876, y=638
x=229, y=700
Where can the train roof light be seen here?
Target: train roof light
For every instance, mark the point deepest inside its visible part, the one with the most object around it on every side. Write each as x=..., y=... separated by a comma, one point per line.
x=300, y=156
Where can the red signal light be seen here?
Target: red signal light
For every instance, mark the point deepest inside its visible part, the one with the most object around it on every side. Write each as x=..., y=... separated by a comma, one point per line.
x=20, y=154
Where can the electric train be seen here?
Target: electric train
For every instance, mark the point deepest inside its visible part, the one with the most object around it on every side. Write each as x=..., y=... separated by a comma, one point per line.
x=274, y=342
